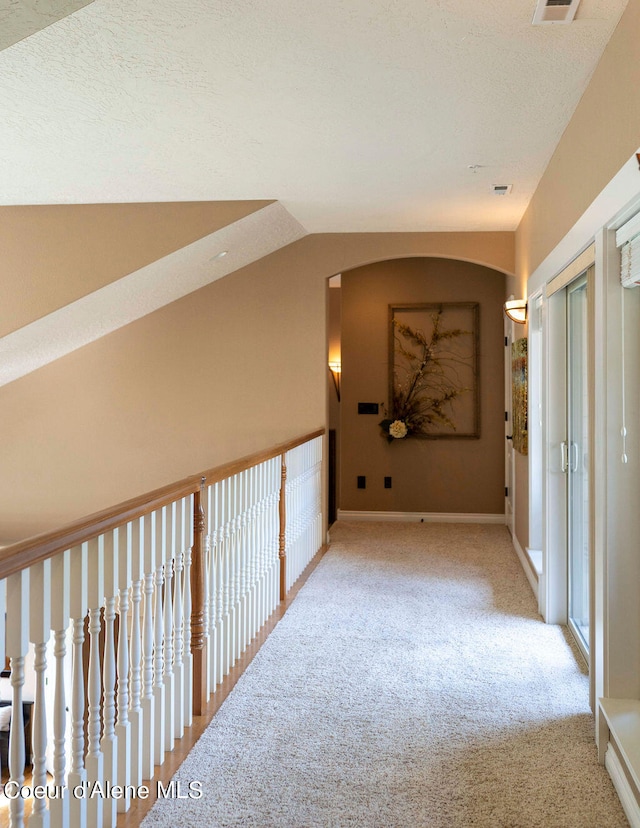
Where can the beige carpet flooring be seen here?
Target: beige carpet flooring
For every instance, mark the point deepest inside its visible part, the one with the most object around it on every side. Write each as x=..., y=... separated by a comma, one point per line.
x=410, y=684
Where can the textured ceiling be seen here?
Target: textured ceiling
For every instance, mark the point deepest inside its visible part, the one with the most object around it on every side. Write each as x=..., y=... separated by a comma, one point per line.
x=357, y=115
x=351, y=115
x=21, y=18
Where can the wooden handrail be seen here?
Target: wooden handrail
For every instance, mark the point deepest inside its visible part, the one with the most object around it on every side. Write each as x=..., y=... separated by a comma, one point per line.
x=25, y=553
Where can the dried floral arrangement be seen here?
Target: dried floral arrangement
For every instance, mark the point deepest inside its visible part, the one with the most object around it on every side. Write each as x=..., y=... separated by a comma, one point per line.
x=426, y=380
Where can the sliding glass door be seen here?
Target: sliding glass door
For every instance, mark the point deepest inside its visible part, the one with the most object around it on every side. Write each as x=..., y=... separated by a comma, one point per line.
x=577, y=462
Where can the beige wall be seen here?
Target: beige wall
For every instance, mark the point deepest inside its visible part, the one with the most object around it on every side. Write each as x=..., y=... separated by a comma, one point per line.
x=55, y=254
x=235, y=367
x=230, y=369
x=428, y=475
x=602, y=135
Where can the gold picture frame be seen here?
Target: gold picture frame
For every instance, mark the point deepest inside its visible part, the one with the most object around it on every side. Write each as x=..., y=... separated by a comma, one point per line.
x=434, y=371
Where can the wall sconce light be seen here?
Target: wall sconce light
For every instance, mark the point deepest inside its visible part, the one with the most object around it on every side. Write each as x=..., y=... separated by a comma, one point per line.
x=335, y=366
x=516, y=310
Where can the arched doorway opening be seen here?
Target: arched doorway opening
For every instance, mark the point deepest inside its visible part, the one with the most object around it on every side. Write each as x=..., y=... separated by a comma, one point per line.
x=452, y=477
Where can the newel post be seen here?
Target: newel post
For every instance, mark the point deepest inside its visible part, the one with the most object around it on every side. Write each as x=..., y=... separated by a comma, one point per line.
x=282, y=544
x=197, y=605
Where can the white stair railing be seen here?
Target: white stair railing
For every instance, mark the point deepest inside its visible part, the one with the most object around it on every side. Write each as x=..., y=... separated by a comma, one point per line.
x=303, y=507
x=154, y=608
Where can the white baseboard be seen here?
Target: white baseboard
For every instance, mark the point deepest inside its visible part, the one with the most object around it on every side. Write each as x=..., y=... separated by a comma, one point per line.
x=623, y=789
x=529, y=571
x=421, y=517
x=535, y=556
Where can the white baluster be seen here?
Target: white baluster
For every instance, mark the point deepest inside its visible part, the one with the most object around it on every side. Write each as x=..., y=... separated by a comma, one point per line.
x=268, y=496
x=94, y=759
x=123, y=726
x=216, y=606
x=272, y=523
x=244, y=563
x=219, y=574
x=258, y=532
x=169, y=682
x=263, y=519
x=60, y=609
x=239, y=565
x=250, y=541
x=231, y=553
x=262, y=564
x=40, y=630
x=3, y=609
x=188, y=658
x=109, y=742
x=78, y=608
x=158, y=646
x=17, y=646
x=226, y=595
x=135, y=655
x=178, y=621
x=211, y=589
x=147, y=703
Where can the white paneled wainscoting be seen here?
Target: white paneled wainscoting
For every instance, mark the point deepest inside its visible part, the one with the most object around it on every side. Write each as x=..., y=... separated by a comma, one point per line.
x=120, y=627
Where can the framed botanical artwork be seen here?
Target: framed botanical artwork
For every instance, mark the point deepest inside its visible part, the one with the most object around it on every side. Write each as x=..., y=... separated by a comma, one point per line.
x=519, y=395
x=434, y=378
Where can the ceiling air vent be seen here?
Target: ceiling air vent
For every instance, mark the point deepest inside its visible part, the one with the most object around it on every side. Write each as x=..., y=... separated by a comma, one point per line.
x=555, y=11
x=501, y=189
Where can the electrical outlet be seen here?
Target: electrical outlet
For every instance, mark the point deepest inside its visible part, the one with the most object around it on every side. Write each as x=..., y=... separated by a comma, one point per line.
x=362, y=481
x=367, y=408
x=387, y=482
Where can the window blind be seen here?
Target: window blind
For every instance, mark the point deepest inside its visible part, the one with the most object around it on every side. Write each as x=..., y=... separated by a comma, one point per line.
x=628, y=240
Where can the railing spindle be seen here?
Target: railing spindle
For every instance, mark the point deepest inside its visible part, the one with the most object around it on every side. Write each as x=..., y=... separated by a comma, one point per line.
x=123, y=726
x=95, y=598
x=135, y=653
x=40, y=631
x=17, y=646
x=60, y=615
x=197, y=600
x=169, y=683
x=158, y=649
x=79, y=607
x=282, y=550
x=108, y=743
x=147, y=703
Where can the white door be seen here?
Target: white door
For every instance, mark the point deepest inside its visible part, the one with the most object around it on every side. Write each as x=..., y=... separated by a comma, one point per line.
x=509, y=459
x=577, y=464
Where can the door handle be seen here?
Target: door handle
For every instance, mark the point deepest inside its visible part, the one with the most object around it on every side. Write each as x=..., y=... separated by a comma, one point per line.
x=509, y=436
x=574, y=457
x=564, y=449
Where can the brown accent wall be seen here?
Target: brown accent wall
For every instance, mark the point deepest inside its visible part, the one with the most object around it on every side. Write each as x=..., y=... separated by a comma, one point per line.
x=427, y=475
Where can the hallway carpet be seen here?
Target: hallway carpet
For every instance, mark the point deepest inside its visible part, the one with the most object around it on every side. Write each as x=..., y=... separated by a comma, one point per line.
x=411, y=683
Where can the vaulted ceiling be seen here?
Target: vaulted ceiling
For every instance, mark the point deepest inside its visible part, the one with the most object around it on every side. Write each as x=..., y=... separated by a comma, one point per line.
x=357, y=115
x=350, y=115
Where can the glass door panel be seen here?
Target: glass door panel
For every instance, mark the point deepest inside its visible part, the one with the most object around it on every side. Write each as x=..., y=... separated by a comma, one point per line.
x=578, y=463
